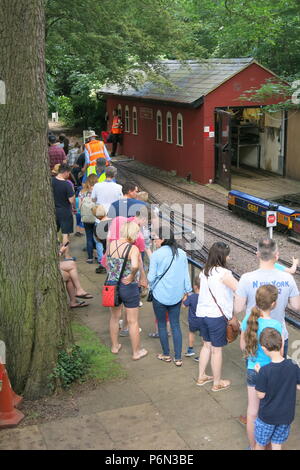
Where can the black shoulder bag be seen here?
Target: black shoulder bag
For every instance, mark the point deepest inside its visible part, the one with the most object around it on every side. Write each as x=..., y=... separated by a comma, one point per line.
x=150, y=295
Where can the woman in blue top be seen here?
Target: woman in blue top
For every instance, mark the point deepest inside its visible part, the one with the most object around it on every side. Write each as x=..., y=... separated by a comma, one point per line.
x=252, y=326
x=169, y=281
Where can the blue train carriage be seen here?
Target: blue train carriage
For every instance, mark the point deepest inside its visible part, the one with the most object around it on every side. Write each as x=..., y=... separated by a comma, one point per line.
x=295, y=230
x=255, y=208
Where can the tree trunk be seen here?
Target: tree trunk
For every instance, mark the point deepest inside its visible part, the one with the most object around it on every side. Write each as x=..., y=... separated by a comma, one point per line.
x=34, y=318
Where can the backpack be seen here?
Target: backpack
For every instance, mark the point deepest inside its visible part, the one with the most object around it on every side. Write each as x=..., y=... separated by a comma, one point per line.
x=86, y=210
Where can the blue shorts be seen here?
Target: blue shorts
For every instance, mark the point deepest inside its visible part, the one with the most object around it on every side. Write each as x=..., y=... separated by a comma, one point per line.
x=194, y=325
x=251, y=377
x=266, y=433
x=213, y=330
x=129, y=294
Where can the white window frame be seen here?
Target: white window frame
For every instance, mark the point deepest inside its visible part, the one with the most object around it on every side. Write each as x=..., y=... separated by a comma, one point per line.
x=120, y=111
x=134, y=121
x=179, y=129
x=127, y=119
x=159, y=115
x=169, y=116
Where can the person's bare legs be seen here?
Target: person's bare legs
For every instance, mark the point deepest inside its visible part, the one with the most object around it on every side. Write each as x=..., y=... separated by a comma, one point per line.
x=204, y=358
x=66, y=239
x=115, y=315
x=191, y=339
x=134, y=333
x=216, y=364
x=259, y=447
x=252, y=411
x=71, y=269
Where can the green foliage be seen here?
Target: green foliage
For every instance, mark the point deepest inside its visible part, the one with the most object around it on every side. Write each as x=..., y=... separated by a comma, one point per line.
x=278, y=90
x=88, y=359
x=103, y=364
x=72, y=366
x=64, y=106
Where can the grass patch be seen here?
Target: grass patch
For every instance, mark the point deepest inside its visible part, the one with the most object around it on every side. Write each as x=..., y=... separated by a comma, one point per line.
x=103, y=364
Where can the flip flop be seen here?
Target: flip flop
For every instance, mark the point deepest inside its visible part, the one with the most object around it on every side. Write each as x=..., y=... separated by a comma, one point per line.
x=143, y=354
x=204, y=381
x=85, y=296
x=80, y=305
x=178, y=362
x=221, y=386
x=162, y=357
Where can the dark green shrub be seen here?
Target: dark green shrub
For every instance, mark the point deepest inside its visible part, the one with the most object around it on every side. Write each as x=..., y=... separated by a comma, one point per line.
x=72, y=366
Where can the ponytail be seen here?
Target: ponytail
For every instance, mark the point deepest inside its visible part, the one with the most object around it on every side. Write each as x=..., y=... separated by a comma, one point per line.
x=251, y=332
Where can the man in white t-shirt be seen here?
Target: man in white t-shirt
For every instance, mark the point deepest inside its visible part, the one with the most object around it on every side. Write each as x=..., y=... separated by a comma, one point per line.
x=108, y=191
x=288, y=293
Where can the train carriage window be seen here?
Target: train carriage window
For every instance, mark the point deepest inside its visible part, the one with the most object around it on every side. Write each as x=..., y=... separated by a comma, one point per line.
x=179, y=130
x=159, y=126
x=127, y=119
x=134, y=121
x=169, y=128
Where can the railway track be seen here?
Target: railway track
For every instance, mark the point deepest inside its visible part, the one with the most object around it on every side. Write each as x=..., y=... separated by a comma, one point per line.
x=209, y=228
x=199, y=256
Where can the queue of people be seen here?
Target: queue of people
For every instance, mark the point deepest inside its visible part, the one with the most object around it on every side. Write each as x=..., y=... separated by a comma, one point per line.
x=120, y=225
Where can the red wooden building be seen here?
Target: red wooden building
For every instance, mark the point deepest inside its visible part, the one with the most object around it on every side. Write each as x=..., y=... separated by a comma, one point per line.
x=184, y=127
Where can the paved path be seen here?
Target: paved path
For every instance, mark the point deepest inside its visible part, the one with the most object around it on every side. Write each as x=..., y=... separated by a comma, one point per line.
x=157, y=407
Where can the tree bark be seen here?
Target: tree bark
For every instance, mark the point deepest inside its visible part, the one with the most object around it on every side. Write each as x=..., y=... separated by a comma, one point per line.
x=34, y=317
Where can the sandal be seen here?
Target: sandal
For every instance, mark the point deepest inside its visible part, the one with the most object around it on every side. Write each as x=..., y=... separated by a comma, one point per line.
x=85, y=296
x=222, y=386
x=162, y=357
x=204, y=381
x=80, y=305
x=178, y=362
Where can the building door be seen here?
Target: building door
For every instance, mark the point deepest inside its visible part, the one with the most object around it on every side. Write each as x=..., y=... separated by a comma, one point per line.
x=223, y=148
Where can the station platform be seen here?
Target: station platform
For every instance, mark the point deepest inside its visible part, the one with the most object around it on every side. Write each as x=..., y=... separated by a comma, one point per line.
x=260, y=184
x=157, y=406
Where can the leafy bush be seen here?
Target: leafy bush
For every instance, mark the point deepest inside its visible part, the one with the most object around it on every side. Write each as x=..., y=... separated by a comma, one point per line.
x=65, y=110
x=72, y=366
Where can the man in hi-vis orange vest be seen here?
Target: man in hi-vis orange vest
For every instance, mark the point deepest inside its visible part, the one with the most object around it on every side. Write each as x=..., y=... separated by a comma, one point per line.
x=116, y=131
x=94, y=149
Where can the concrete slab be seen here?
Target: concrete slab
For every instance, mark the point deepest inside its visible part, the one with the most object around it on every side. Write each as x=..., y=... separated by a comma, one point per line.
x=136, y=421
x=28, y=438
x=159, y=440
x=81, y=433
x=181, y=414
x=114, y=395
x=225, y=435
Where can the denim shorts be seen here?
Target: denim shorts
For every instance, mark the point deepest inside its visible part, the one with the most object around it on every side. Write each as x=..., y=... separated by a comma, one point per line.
x=194, y=325
x=129, y=294
x=266, y=433
x=251, y=377
x=213, y=330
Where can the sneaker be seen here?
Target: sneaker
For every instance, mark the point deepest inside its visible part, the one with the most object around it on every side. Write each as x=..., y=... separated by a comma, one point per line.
x=189, y=352
x=141, y=304
x=121, y=324
x=196, y=359
x=124, y=332
x=100, y=270
x=89, y=261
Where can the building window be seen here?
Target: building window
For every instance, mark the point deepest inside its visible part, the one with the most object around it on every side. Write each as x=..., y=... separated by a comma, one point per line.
x=127, y=119
x=169, y=128
x=180, y=130
x=134, y=121
x=159, y=126
x=120, y=111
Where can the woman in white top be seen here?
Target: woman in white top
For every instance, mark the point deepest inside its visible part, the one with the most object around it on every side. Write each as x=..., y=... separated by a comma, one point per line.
x=217, y=286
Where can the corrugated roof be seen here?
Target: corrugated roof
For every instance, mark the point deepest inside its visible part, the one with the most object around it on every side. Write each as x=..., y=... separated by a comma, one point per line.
x=190, y=80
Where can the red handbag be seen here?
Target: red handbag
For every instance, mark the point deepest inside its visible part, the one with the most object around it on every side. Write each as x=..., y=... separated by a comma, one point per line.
x=110, y=294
